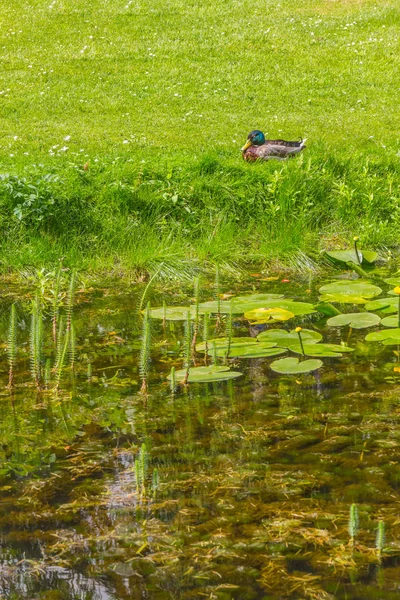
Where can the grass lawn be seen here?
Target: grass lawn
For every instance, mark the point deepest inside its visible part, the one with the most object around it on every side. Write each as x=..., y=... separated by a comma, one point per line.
x=156, y=99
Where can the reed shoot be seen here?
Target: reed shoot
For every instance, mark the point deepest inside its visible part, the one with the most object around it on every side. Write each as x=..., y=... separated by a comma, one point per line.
x=187, y=348
x=380, y=538
x=206, y=322
x=12, y=345
x=353, y=523
x=144, y=358
x=36, y=340
x=197, y=316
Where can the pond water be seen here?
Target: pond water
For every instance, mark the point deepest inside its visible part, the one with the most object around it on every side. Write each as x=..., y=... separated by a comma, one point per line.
x=260, y=487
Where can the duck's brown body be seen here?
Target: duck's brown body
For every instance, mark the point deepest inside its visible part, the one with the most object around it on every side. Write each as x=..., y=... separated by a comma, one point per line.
x=273, y=149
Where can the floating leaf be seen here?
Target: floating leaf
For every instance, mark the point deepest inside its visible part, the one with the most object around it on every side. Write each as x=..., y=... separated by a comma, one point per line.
x=393, y=280
x=292, y=366
x=241, y=348
x=388, y=337
x=240, y=304
x=259, y=350
x=355, y=320
x=236, y=342
x=342, y=299
x=287, y=339
x=327, y=309
x=265, y=315
x=206, y=374
x=386, y=305
x=346, y=256
x=172, y=313
x=356, y=289
x=390, y=321
x=332, y=350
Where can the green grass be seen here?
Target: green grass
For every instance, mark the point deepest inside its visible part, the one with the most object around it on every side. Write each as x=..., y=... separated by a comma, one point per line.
x=159, y=96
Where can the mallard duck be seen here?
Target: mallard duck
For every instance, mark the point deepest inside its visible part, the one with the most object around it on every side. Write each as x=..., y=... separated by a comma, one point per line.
x=258, y=148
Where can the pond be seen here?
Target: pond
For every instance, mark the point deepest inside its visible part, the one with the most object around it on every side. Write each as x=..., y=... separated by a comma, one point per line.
x=268, y=484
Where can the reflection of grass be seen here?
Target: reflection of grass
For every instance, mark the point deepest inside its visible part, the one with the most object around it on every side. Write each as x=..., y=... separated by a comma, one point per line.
x=143, y=128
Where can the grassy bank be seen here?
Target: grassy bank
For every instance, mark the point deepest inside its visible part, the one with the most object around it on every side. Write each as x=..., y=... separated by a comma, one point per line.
x=121, y=124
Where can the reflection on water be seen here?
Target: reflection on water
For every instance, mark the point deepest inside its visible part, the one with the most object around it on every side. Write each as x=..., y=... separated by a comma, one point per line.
x=240, y=489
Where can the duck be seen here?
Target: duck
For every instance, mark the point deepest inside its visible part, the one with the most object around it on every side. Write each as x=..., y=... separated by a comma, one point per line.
x=258, y=148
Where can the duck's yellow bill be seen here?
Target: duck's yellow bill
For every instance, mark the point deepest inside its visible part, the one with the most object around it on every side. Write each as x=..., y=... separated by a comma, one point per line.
x=247, y=145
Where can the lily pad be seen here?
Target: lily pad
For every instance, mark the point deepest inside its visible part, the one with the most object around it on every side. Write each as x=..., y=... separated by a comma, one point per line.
x=238, y=304
x=355, y=289
x=385, y=305
x=354, y=320
x=390, y=321
x=328, y=350
x=292, y=366
x=259, y=350
x=206, y=374
x=342, y=299
x=265, y=315
x=393, y=280
x=172, y=313
x=241, y=348
x=287, y=339
x=388, y=337
x=345, y=256
x=327, y=309
x=236, y=342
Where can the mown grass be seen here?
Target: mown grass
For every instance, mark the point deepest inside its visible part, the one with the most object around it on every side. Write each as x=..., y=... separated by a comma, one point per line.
x=156, y=99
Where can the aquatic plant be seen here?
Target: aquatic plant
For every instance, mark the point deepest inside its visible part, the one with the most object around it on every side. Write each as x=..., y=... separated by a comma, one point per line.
x=380, y=538
x=64, y=345
x=155, y=482
x=60, y=341
x=217, y=294
x=70, y=299
x=229, y=332
x=72, y=346
x=36, y=340
x=353, y=523
x=206, y=320
x=173, y=381
x=187, y=347
x=354, y=257
x=351, y=292
x=210, y=373
x=141, y=468
x=355, y=320
x=55, y=308
x=292, y=366
x=12, y=345
x=144, y=357
x=196, y=313
x=47, y=372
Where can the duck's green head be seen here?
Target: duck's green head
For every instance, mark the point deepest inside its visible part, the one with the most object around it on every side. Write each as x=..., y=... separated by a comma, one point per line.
x=255, y=138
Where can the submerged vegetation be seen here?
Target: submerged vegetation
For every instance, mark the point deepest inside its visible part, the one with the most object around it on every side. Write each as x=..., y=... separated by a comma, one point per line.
x=260, y=461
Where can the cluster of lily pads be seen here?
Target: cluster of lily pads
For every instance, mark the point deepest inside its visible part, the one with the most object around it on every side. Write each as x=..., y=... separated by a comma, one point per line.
x=268, y=309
